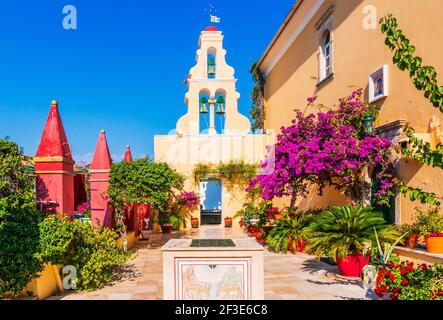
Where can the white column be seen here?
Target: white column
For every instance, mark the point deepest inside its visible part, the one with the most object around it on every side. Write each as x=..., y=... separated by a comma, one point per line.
x=211, y=129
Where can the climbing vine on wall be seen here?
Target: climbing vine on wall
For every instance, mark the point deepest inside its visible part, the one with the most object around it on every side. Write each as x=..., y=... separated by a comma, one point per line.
x=235, y=175
x=423, y=77
x=257, y=111
x=416, y=194
x=421, y=150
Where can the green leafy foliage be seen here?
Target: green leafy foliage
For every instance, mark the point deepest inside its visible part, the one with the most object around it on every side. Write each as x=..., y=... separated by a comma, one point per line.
x=18, y=222
x=287, y=231
x=404, y=281
x=94, y=252
x=416, y=194
x=423, y=77
x=143, y=181
x=258, y=211
x=177, y=221
x=339, y=231
x=257, y=111
x=421, y=150
x=235, y=174
x=429, y=221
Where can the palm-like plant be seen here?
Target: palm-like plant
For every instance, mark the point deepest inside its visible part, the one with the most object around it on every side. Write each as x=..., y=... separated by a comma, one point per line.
x=290, y=228
x=339, y=231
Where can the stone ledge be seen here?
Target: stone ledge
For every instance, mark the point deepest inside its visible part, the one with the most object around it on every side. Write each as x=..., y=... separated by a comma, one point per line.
x=419, y=255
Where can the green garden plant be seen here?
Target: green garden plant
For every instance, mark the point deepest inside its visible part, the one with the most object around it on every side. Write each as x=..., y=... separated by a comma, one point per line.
x=424, y=79
x=177, y=221
x=339, y=231
x=288, y=231
x=142, y=181
x=94, y=252
x=18, y=222
x=429, y=221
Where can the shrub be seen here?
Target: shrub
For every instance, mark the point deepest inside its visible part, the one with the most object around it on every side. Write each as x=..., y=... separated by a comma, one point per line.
x=94, y=252
x=339, y=231
x=289, y=231
x=18, y=222
x=327, y=149
x=404, y=281
x=429, y=222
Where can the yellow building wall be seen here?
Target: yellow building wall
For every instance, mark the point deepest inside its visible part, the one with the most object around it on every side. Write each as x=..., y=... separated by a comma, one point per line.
x=183, y=153
x=48, y=282
x=356, y=53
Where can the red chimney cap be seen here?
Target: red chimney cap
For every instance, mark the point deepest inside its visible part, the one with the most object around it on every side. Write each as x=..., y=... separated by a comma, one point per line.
x=211, y=28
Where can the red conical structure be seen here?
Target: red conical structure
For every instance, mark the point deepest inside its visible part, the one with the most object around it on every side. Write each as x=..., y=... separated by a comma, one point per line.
x=128, y=155
x=99, y=173
x=130, y=220
x=54, y=167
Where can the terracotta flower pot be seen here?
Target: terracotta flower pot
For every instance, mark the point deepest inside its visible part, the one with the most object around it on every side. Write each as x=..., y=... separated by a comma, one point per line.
x=412, y=240
x=352, y=264
x=194, y=223
x=434, y=243
x=166, y=228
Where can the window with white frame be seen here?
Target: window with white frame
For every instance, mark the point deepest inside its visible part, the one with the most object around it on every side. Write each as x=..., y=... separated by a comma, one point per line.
x=325, y=54
x=326, y=46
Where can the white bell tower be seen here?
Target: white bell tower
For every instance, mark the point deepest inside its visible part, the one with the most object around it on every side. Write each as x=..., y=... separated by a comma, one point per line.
x=212, y=91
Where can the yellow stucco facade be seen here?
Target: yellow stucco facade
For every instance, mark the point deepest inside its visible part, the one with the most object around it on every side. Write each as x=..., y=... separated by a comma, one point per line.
x=196, y=141
x=292, y=69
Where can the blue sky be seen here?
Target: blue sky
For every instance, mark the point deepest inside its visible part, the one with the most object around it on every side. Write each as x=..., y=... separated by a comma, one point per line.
x=122, y=70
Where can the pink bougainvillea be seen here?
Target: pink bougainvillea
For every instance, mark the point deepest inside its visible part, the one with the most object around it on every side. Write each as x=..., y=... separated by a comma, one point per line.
x=188, y=199
x=325, y=149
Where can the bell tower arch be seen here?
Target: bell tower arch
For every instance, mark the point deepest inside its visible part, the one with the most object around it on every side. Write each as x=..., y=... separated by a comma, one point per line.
x=212, y=97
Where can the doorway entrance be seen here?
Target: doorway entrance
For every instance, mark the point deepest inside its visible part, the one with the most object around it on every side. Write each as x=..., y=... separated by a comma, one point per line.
x=211, y=201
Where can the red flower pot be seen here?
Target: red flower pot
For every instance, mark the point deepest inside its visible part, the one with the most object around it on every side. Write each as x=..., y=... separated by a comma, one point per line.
x=300, y=246
x=352, y=264
x=194, y=223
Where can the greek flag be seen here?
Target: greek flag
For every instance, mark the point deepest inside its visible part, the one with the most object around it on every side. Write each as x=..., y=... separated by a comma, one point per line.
x=215, y=19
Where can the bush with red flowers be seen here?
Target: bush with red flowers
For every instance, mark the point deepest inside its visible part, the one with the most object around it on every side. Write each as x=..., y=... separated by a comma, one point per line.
x=404, y=281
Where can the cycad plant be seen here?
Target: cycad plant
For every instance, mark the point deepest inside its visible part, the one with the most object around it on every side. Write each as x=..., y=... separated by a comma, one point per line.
x=284, y=236
x=340, y=231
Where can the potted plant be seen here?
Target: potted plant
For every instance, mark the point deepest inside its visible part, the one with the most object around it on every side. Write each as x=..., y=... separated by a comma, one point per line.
x=177, y=222
x=194, y=222
x=412, y=232
x=430, y=225
x=165, y=222
x=84, y=213
x=228, y=222
x=288, y=233
x=346, y=234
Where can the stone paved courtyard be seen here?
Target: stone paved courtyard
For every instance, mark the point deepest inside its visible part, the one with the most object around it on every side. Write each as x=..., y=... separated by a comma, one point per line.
x=287, y=276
